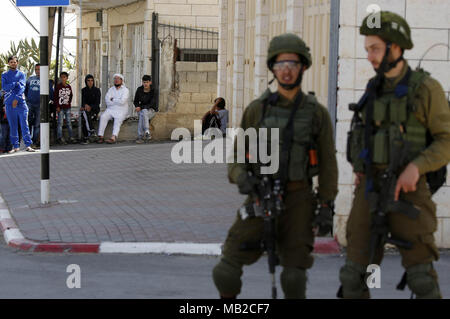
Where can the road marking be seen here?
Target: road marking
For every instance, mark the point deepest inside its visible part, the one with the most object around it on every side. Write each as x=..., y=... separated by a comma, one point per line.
x=161, y=248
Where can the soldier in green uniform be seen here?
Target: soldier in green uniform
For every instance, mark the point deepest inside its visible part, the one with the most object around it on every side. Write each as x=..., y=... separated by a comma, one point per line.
x=288, y=58
x=399, y=105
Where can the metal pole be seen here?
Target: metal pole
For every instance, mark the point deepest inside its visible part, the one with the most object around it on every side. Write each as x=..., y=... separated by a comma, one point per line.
x=58, y=47
x=334, y=60
x=61, y=43
x=80, y=71
x=45, y=130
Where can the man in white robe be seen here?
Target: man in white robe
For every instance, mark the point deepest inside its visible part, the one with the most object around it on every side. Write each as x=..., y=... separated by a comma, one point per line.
x=116, y=108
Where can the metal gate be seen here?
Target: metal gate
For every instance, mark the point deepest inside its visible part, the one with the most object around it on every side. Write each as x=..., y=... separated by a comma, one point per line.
x=191, y=44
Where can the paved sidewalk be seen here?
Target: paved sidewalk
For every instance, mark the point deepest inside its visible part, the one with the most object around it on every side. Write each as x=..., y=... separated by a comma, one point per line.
x=120, y=193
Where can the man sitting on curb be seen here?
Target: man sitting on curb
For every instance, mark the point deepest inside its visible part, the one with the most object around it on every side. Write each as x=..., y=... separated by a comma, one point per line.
x=90, y=97
x=116, y=108
x=144, y=102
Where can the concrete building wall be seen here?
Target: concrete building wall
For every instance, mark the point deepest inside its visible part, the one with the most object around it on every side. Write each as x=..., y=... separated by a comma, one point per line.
x=192, y=94
x=429, y=26
x=249, y=26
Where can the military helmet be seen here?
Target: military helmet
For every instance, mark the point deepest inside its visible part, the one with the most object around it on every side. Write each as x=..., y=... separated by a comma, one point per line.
x=393, y=29
x=288, y=43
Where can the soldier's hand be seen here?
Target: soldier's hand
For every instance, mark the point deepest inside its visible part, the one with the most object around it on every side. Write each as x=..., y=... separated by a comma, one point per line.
x=407, y=181
x=323, y=222
x=246, y=183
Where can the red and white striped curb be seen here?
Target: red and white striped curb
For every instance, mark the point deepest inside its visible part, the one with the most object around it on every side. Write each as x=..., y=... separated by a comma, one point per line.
x=14, y=238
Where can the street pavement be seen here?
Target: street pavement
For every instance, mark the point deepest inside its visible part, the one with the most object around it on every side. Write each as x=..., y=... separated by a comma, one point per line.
x=130, y=192
x=118, y=276
x=119, y=193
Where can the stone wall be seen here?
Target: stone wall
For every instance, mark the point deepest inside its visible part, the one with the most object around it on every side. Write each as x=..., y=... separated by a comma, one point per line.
x=193, y=93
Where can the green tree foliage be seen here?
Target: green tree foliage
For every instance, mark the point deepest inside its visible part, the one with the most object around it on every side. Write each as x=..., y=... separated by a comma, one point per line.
x=27, y=53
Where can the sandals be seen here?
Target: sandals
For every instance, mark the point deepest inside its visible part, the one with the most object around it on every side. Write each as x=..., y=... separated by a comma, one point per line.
x=111, y=141
x=101, y=140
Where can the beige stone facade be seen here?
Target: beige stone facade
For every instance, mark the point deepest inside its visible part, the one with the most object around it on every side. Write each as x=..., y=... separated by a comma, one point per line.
x=246, y=28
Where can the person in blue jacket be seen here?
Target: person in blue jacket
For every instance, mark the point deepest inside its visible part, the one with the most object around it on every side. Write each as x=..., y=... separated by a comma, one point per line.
x=13, y=86
x=33, y=99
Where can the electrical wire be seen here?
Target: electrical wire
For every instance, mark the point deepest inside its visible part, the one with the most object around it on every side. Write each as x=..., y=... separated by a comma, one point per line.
x=23, y=15
x=31, y=24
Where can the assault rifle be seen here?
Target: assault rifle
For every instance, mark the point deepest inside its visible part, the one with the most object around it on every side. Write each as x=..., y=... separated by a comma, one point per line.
x=383, y=202
x=269, y=204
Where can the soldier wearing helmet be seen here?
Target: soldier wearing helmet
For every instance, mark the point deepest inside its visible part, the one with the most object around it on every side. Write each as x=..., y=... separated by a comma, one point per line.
x=304, y=124
x=402, y=110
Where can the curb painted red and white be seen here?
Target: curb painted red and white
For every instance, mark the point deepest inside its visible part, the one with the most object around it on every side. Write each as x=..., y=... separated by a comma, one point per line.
x=14, y=238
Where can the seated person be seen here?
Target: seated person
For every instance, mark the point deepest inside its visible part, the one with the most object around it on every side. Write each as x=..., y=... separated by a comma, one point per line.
x=217, y=117
x=90, y=107
x=144, y=101
x=116, y=108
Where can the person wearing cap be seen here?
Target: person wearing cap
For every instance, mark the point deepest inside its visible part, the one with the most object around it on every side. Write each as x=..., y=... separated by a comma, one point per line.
x=405, y=108
x=116, y=108
x=308, y=128
x=90, y=101
x=144, y=101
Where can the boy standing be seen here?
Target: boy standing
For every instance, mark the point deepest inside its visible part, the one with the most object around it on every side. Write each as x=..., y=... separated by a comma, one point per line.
x=63, y=103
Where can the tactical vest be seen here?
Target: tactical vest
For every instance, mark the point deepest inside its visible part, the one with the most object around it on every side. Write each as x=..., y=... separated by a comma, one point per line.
x=306, y=129
x=393, y=117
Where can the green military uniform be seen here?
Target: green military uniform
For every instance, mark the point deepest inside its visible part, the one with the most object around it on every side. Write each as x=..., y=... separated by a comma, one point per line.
x=423, y=108
x=295, y=238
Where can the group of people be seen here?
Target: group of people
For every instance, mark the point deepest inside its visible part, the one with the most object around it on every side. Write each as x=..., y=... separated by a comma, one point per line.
x=20, y=108
x=399, y=139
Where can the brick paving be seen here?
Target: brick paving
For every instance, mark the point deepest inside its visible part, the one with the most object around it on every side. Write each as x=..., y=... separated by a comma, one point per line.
x=120, y=193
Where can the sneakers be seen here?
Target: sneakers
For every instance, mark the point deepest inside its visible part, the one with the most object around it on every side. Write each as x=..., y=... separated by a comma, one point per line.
x=139, y=141
x=148, y=136
x=30, y=149
x=36, y=146
x=14, y=150
x=84, y=142
x=72, y=141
